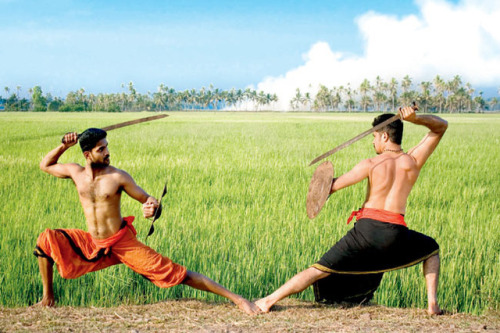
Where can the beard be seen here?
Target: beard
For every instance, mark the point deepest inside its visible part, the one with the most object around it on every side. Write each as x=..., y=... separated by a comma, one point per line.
x=101, y=164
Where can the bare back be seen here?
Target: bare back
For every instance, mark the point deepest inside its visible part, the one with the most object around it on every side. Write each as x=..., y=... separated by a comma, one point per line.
x=390, y=180
x=392, y=174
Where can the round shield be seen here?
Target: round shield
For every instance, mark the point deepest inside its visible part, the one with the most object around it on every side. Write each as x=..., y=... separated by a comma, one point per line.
x=319, y=188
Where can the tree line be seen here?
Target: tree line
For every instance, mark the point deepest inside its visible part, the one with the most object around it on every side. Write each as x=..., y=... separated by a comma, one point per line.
x=437, y=95
x=164, y=99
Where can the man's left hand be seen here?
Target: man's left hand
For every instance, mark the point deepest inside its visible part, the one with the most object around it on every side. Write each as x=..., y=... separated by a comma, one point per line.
x=149, y=207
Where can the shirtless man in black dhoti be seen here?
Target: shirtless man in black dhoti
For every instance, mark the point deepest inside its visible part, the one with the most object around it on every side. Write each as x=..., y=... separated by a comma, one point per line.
x=380, y=240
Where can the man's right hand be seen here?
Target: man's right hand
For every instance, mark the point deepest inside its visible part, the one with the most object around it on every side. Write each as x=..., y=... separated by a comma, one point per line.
x=70, y=139
x=408, y=113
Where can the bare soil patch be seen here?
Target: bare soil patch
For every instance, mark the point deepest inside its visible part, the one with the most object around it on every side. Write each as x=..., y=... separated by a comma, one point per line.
x=198, y=316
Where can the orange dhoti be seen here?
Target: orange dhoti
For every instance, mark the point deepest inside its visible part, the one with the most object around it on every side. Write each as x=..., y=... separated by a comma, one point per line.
x=76, y=253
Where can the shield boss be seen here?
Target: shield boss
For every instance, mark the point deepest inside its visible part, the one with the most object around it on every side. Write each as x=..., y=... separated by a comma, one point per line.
x=319, y=188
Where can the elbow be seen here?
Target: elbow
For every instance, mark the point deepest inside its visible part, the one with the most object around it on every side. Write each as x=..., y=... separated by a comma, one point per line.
x=44, y=167
x=444, y=127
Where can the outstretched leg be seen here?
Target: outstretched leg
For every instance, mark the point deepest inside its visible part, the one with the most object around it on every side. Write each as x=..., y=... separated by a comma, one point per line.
x=295, y=285
x=202, y=282
x=431, y=273
x=47, y=273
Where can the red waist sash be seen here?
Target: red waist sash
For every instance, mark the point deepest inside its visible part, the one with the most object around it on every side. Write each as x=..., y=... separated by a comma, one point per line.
x=379, y=215
x=106, y=243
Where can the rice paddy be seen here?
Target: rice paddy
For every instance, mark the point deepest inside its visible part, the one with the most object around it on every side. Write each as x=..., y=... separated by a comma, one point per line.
x=235, y=208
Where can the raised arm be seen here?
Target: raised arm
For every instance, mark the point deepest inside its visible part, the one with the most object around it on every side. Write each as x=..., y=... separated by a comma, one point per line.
x=425, y=148
x=49, y=162
x=354, y=176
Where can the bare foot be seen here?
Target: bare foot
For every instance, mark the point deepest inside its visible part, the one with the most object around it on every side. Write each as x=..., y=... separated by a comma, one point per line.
x=434, y=310
x=45, y=302
x=247, y=306
x=263, y=304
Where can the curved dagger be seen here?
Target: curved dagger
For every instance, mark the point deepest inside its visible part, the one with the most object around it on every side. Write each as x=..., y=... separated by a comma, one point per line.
x=158, y=212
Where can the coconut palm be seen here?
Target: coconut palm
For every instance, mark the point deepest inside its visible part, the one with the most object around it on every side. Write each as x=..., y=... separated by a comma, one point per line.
x=479, y=100
x=493, y=103
x=393, y=92
x=407, y=96
x=378, y=94
x=440, y=88
x=364, y=88
x=470, y=92
x=322, y=100
x=425, y=98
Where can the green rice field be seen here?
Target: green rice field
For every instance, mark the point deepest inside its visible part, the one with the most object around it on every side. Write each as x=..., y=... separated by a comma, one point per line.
x=235, y=209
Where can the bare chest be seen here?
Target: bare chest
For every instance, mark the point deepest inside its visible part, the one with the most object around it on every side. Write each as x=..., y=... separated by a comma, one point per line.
x=99, y=189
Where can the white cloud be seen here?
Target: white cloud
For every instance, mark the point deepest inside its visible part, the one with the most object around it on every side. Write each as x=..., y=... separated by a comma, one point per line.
x=443, y=39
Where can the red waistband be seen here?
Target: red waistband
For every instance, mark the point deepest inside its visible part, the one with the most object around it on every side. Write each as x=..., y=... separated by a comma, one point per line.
x=106, y=243
x=379, y=215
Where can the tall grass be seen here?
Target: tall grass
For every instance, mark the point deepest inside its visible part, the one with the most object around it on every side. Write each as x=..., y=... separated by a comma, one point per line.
x=235, y=210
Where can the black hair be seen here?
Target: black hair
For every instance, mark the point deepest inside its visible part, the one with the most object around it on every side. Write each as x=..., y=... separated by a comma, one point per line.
x=90, y=137
x=394, y=129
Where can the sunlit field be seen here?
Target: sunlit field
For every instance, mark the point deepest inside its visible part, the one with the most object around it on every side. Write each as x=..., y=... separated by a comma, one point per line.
x=235, y=208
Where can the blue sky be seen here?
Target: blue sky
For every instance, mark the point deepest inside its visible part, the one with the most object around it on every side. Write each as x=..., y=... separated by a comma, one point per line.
x=98, y=45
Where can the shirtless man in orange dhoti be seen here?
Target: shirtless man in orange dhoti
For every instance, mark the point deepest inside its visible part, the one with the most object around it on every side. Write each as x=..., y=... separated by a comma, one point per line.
x=110, y=239
x=380, y=240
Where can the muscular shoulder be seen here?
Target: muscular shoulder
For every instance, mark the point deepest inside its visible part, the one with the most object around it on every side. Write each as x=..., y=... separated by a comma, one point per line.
x=407, y=161
x=121, y=175
x=74, y=166
x=73, y=169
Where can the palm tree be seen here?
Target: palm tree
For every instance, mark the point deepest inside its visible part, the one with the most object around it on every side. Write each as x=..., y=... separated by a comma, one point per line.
x=407, y=96
x=440, y=87
x=393, y=92
x=364, y=88
x=480, y=102
x=453, y=87
x=307, y=101
x=425, y=95
x=493, y=103
x=470, y=92
x=132, y=97
x=296, y=100
x=349, y=102
x=378, y=94
x=337, y=97
x=365, y=102
x=216, y=97
x=322, y=100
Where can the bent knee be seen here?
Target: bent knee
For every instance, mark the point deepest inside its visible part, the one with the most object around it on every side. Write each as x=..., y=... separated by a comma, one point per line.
x=45, y=240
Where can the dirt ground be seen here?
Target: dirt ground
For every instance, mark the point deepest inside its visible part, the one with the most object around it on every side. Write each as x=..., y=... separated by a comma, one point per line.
x=197, y=316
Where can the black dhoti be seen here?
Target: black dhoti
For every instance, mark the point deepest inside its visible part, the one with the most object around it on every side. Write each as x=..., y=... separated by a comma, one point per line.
x=358, y=260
